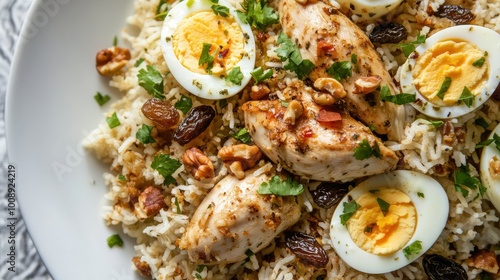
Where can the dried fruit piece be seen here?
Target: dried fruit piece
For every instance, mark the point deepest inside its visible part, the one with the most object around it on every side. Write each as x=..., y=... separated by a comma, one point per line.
x=328, y=194
x=306, y=248
x=388, y=33
x=438, y=267
x=141, y=266
x=456, y=13
x=160, y=112
x=196, y=121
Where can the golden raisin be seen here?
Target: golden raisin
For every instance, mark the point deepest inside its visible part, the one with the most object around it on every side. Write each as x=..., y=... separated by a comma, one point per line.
x=161, y=113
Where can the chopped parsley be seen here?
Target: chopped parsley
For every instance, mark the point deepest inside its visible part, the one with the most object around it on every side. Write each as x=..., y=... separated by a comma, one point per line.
x=115, y=41
x=115, y=240
x=122, y=178
x=466, y=97
x=166, y=166
x=465, y=182
x=206, y=58
x=152, y=81
x=257, y=14
x=354, y=61
x=161, y=10
x=444, y=87
x=287, y=50
x=349, y=209
x=144, y=134
x=243, y=136
x=113, y=121
x=364, y=150
x=259, y=75
x=220, y=10
x=384, y=205
x=413, y=249
x=184, y=104
x=138, y=62
x=234, y=76
x=279, y=187
x=340, y=70
x=177, y=206
x=189, y=3
x=482, y=123
x=435, y=124
x=399, y=99
x=101, y=99
x=479, y=62
x=421, y=194
x=495, y=139
x=249, y=254
x=408, y=48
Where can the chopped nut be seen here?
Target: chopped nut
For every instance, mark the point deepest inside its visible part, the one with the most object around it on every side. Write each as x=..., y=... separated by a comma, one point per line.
x=366, y=85
x=323, y=98
x=142, y=267
x=293, y=112
x=448, y=132
x=259, y=91
x=110, y=61
x=332, y=86
x=485, y=260
x=239, y=158
x=198, y=164
x=149, y=203
x=494, y=167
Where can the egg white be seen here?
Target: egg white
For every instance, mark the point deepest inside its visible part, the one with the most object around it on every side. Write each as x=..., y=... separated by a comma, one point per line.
x=485, y=39
x=492, y=185
x=432, y=214
x=212, y=86
x=369, y=9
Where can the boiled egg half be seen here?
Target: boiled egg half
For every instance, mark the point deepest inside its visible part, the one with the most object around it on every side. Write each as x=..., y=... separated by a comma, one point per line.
x=398, y=217
x=490, y=168
x=454, y=72
x=208, y=50
x=369, y=9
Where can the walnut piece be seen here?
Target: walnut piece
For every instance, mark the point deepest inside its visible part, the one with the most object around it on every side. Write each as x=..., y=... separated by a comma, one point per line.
x=332, y=86
x=494, y=167
x=366, y=85
x=198, y=164
x=323, y=98
x=485, y=260
x=293, y=111
x=259, y=91
x=142, y=267
x=239, y=158
x=149, y=203
x=110, y=61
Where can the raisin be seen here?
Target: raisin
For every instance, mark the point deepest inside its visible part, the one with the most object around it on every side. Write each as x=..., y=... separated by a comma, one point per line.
x=328, y=194
x=496, y=93
x=306, y=248
x=455, y=13
x=160, y=112
x=388, y=33
x=438, y=267
x=195, y=122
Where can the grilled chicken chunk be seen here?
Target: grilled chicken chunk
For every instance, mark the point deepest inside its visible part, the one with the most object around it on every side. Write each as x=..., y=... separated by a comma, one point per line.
x=325, y=36
x=314, y=146
x=233, y=218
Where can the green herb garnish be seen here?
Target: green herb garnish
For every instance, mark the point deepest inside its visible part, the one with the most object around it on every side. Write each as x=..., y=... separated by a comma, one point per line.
x=113, y=121
x=279, y=187
x=122, y=178
x=444, y=87
x=101, y=99
x=287, y=50
x=495, y=139
x=412, y=249
x=464, y=181
x=384, y=206
x=257, y=14
x=364, y=150
x=166, y=166
x=115, y=240
x=144, y=134
x=220, y=10
x=479, y=62
x=421, y=194
x=115, y=41
x=206, y=58
x=340, y=70
x=436, y=124
x=259, y=75
x=152, y=81
x=178, y=208
x=138, y=62
x=408, y=48
x=184, y=104
x=482, y=123
x=243, y=136
x=161, y=10
x=399, y=99
x=349, y=209
x=467, y=97
x=234, y=76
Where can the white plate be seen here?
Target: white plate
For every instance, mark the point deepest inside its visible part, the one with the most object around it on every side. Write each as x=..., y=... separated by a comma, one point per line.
x=50, y=108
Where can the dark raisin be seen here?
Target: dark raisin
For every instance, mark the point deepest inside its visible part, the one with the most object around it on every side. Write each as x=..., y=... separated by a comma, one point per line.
x=496, y=93
x=306, y=248
x=160, y=112
x=328, y=194
x=195, y=122
x=438, y=267
x=455, y=13
x=388, y=33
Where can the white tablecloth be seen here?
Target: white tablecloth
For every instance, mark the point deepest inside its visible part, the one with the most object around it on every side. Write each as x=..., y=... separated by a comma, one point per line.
x=28, y=264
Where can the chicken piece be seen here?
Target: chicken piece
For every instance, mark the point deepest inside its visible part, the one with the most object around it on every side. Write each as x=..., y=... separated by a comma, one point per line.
x=325, y=36
x=233, y=218
x=314, y=148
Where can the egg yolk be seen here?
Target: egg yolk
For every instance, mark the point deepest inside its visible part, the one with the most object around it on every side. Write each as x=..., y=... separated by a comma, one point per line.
x=382, y=233
x=205, y=27
x=452, y=59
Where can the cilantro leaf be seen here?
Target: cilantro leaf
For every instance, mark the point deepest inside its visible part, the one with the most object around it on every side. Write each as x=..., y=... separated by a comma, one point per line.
x=144, y=134
x=279, y=187
x=467, y=97
x=113, y=121
x=101, y=99
x=479, y=63
x=166, y=166
x=349, y=209
x=464, y=181
x=287, y=50
x=412, y=249
x=152, y=81
x=340, y=70
x=421, y=194
x=444, y=87
x=220, y=10
x=234, y=76
x=257, y=14
x=243, y=136
x=482, y=123
x=384, y=206
x=115, y=240
x=408, y=48
x=259, y=75
x=364, y=150
x=206, y=58
x=184, y=104
x=399, y=99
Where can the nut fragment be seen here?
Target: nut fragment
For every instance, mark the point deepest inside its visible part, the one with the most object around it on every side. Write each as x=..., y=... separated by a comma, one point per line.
x=198, y=164
x=323, y=98
x=142, y=267
x=149, y=203
x=366, y=85
x=259, y=91
x=494, y=167
x=110, y=61
x=332, y=86
x=239, y=158
x=293, y=112
x=485, y=260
